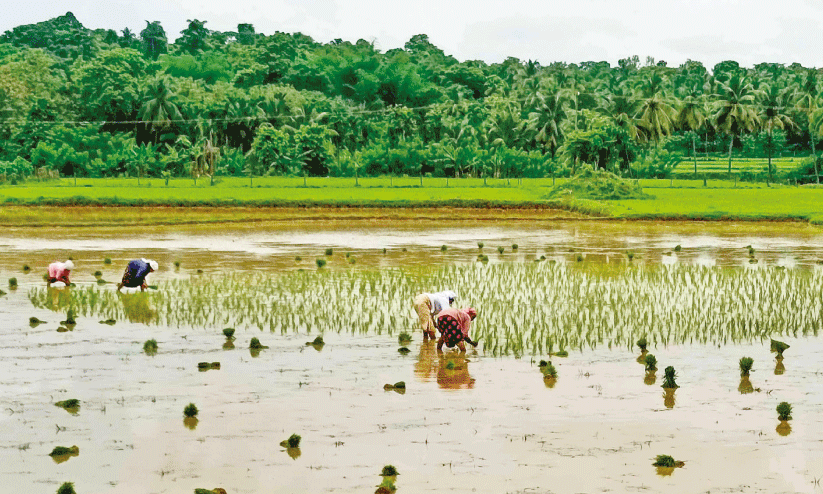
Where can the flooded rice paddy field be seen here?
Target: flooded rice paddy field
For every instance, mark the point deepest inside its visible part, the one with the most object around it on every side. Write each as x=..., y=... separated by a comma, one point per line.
x=473, y=423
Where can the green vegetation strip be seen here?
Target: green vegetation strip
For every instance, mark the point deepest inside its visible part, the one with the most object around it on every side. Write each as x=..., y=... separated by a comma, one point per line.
x=531, y=308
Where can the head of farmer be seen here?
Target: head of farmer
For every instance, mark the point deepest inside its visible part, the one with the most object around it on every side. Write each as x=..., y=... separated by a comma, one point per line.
x=136, y=272
x=60, y=271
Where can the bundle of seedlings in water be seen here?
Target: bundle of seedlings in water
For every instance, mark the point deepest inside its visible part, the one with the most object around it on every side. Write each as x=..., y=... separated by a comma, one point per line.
x=404, y=338
x=64, y=451
x=150, y=347
x=110, y=322
x=177, y=264
x=69, y=405
x=642, y=343
x=98, y=274
x=515, y=246
x=191, y=410
x=66, y=488
x=292, y=442
x=746, y=366
x=784, y=411
x=779, y=347
x=13, y=283
x=480, y=245
x=664, y=461
x=298, y=258
x=389, y=471
x=482, y=258
x=549, y=371
x=669, y=377
x=256, y=345
x=204, y=366
x=443, y=248
x=228, y=333
x=630, y=255
x=317, y=342
x=320, y=263
x=33, y=321
x=329, y=251
x=579, y=258
x=403, y=350
x=651, y=363
x=398, y=386
x=560, y=353
x=677, y=248
x=500, y=250
x=216, y=490
x=107, y=260
x=26, y=268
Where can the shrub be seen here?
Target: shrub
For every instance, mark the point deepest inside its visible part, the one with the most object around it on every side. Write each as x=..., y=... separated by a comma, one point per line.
x=651, y=363
x=784, y=411
x=668, y=379
x=191, y=410
x=664, y=461
x=746, y=366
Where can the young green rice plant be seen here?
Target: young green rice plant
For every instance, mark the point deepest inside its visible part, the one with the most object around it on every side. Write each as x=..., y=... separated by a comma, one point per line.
x=651, y=363
x=480, y=245
x=664, y=461
x=107, y=260
x=400, y=385
x=298, y=258
x=403, y=350
x=443, y=248
x=150, y=347
x=191, y=410
x=630, y=255
x=677, y=248
x=208, y=365
x=669, y=378
x=404, y=338
x=779, y=347
x=110, y=322
x=292, y=442
x=784, y=411
x=71, y=404
x=389, y=471
x=26, y=268
x=70, y=317
x=501, y=250
x=228, y=333
x=177, y=264
x=320, y=263
x=515, y=246
x=746, y=366
x=482, y=258
x=63, y=451
x=549, y=371
x=66, y=488
x=642, y=343
x=13, y=283
x=318, y=341
x=329, y=251
x=579, y=258
x=256, y=345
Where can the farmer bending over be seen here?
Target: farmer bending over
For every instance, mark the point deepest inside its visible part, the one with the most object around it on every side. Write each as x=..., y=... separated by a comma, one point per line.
x=428, y=306
x=136, y=273
x=454, y=327
x=60, y=271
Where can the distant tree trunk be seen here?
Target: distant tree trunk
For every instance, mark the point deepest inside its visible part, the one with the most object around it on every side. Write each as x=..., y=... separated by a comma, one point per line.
x=731, y=143
x=769, y=143
x=694, y=153
x=814, y=155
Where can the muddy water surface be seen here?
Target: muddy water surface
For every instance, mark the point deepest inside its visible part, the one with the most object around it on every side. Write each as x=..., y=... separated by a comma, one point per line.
x=479, y=425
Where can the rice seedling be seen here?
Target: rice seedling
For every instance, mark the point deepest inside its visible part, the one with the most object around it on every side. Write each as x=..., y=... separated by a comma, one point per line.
x=352, y=260
x=13, y=283
x=110, y=322
x=483, y=258
x=256, y=345
x=549, y=371
x=389, y=471
x=66, y=488
x=228, y=333
x=404, y=338
x=559, y=353
x=150, y=347
x=177, y=264
x=642, y=343
x=26, y=268
x=400, y=385
x=384, y=250
x=292, y=442
x=784, y=411
x=320, y=263
x=191, y=410
x=677, y=248
x=403, y=350
x=64, y=451
x=579, y=258
x=204, y=366
x=98, y=274
x=70, y=317
x=443, y=248
x=298, y=258
x=33, y=321
x=664, y=461
x=630, y=255
x=669, y=378
x=515, y=246
x=480, y=245
x=501, y=250
x=746, y=366
x=317, y=342
x=199, y=271
x=329, y=251
x=542, y=364
x=107, y=260
x=651, y=363
x=71, y=405
x=348, y=254
x=779, y=347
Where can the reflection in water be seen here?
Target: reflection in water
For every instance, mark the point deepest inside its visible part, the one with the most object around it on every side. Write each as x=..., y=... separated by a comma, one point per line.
x=784, y=429
x=453, y=371
x=137, y=308
x=190, y=422
x=549, y=381
x=650, y=378
x=641, y=359
x=294, y=453
x=57, y=298
x=665, y=471
x=668, y=397
x=74, y=451
x=425, y=368
x=228, y=345
x=779, y=368
x=254, y=352
x=745, y=386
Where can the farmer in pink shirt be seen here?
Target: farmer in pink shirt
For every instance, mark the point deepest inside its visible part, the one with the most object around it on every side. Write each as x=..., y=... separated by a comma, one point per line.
x=453, y=325
x=59, y=271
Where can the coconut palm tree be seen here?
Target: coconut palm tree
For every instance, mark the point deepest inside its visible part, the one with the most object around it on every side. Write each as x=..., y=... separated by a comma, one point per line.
x=656, y=118
x=158, y=111
x=544, y=122
x=692, y=116
x=735, y=112
x=774, y=104
x=807, y=102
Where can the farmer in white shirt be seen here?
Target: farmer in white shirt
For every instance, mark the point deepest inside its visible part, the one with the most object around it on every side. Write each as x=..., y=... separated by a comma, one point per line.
x=428, y=306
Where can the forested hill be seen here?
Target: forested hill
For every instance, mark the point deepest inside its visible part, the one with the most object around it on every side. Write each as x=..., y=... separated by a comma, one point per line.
x=104, y=103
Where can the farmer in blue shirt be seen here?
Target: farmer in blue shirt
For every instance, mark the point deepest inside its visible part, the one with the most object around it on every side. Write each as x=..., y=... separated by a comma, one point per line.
x=136, y=273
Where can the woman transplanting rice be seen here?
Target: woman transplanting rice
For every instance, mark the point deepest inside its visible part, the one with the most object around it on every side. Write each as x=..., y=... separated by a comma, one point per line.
x=453, y=325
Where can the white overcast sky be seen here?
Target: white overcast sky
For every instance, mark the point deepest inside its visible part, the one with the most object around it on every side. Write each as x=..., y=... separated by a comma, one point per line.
x=708, y=31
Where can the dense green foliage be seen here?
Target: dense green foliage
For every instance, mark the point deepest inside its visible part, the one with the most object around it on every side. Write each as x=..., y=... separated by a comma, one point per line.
x=98, y=103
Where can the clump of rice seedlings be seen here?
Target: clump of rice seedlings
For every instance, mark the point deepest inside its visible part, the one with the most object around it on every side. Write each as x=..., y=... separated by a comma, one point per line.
x=404, y=249
x=501, y=250
x=329, y=251
x=177, y=264
x=110, y=322
x=98, y=274
x=256, y=345
x=71, y=404
x=515, y=246
x=352, y=260
x=443, y=248
x=751, y=251
x=33, y=321
x=482, y=258
x=669, y=378
x=677, y=248
x=101, y=281
x=318, y=341
x=579, y=258
x=26, y=268
x=70, y=317
x=651, y=363
x=320, y=263
x=404, y=338
x=298, y=258
x=348, y=254
x=292, y=442
x=191, y=410
x=228, y=333
x=63, y=451
x=400, y=385
x=384, y=250
x=752, y=261
x=208, y=365
x=480, y=245
x=542, y=363
x=403, y=350
x=630, y=255
x=66, y=488
x=13, y=283
x=549, y=371
x=150, y=347
x=560, y=353
x=199, y=271
x=779, y=347
x=107, y=260
x=642, y=343
x=389, y=471
x=746, y=366
x=784, y=411
x=664, y=461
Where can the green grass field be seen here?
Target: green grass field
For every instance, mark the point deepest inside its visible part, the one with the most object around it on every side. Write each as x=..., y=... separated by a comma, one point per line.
x=718, y=165
x=673, y=199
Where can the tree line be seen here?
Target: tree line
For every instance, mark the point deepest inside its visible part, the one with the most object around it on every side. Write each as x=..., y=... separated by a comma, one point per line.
x=83, y=102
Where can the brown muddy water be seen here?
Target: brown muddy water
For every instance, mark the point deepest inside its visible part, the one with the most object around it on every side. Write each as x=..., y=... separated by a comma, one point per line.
x=488, y=425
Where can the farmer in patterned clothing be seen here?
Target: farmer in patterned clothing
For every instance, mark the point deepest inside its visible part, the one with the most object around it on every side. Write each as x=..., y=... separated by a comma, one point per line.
x=428, y=306
x=453, y=325
x=136, y=273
